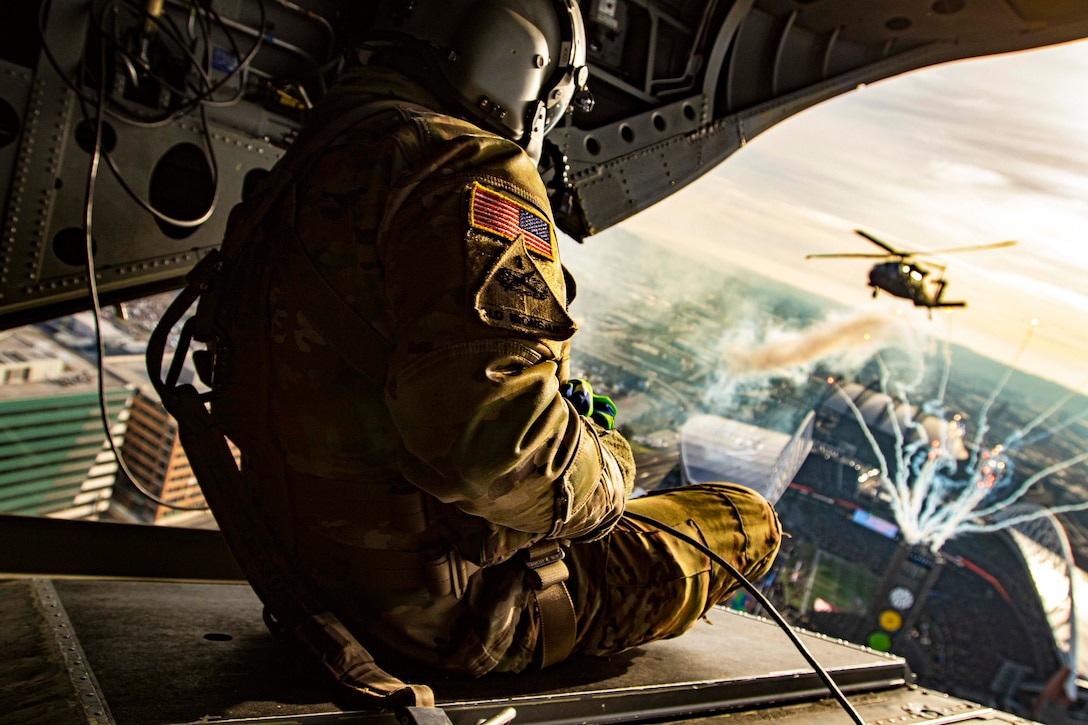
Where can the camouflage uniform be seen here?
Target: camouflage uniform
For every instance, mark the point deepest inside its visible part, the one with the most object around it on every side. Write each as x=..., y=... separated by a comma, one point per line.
x=406, y=504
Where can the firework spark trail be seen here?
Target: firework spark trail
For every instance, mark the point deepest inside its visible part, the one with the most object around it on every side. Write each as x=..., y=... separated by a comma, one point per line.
x=889, y=412
x=930, y=502
x=1043, y=435
x=930, y=507
x=949, y=523
x=971, y=527
x=900, y=491
x=946, y=372
x=939, y=510
x=886, y=374
x=927, y=499
x=1031, y=481
x=935, y=495
x=1021, y=434
x=983, y=414
x=916, y=495
x=920, y=493
x=930, y=497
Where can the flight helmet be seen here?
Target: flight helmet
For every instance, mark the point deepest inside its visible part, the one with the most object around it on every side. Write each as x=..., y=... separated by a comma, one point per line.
x=511, y=66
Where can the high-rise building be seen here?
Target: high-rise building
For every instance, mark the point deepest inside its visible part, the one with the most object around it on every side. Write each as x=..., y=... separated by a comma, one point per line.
x=54, y=457
x=154, y=455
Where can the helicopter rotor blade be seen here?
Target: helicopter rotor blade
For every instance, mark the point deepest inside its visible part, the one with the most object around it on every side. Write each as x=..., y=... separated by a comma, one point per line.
x=883, y=245
x=976, y=248
x=850, y=255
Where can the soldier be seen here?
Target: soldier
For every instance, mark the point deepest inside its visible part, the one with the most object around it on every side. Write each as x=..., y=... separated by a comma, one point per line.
x=394, y=367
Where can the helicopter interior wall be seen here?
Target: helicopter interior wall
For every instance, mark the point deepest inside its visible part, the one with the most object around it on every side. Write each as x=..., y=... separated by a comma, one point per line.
x=756, y=63
x=681, y=85
x=185, y=166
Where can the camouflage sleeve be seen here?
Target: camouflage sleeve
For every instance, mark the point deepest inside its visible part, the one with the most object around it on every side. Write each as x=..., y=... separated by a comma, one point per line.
x=479, y=306
x=485, y=428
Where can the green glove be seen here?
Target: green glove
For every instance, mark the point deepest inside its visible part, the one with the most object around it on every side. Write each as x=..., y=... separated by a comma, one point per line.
x=598, y=408
x=604, y=412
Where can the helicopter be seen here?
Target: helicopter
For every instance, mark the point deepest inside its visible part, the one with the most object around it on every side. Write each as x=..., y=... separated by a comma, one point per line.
x=900, y=276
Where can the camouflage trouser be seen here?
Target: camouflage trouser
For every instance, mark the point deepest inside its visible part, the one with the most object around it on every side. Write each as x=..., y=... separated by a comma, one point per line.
x=641, y=584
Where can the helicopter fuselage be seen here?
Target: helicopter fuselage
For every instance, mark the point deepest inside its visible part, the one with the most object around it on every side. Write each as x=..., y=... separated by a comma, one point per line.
x=906, y=280
x=900, y=279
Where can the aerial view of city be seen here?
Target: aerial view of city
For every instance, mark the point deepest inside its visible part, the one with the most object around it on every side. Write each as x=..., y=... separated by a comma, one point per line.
x=672, y=338
x=676, y=341
x=764, y=206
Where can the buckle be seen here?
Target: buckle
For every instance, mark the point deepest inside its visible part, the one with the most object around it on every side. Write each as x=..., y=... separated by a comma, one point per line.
x=543, y=554
x=545, y=564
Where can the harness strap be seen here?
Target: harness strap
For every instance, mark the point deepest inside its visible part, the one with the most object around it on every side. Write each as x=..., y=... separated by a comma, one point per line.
x=558, y=625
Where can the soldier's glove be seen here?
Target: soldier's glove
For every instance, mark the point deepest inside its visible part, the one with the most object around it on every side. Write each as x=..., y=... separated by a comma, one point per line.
x=580, y=394
x=598, y=408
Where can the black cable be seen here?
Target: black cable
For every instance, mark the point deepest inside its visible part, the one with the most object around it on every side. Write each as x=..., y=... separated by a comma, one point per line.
x=766, y=604
x=116, y=171
x=206, y=32
x=117, y=45
x=204, y=96
x=88, y=212
x=242, y=66
x=189, y=104
x=166, y=27
x=166, y=218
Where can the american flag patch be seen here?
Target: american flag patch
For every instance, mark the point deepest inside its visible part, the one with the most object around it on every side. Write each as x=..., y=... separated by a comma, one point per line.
x=509, y=218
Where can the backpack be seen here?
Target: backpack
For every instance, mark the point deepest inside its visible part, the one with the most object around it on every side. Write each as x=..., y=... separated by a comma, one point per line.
x=244, y=500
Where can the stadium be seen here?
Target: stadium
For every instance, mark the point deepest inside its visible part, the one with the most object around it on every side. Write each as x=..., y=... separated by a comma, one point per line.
x=990, y=618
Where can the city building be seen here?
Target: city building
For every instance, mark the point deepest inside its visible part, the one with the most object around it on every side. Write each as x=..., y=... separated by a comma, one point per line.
x=713, y=448
x=854, y=416
x=54, y=457
x=154, y=456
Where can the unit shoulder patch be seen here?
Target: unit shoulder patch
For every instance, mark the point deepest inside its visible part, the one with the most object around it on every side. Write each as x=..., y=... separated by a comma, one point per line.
x=515, y=295
x=506, y=216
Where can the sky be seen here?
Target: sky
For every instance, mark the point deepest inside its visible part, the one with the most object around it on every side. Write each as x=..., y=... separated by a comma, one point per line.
x=968, y=153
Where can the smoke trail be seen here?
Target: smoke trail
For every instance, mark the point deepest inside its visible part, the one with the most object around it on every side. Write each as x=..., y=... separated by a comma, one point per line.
x=754, y=356
x=851, y=338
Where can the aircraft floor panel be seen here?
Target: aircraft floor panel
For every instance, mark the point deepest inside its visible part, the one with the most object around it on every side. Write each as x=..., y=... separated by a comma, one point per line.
x=175, y=653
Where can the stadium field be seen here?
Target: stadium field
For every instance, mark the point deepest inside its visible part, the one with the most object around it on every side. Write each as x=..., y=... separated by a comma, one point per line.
x=843, y=585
